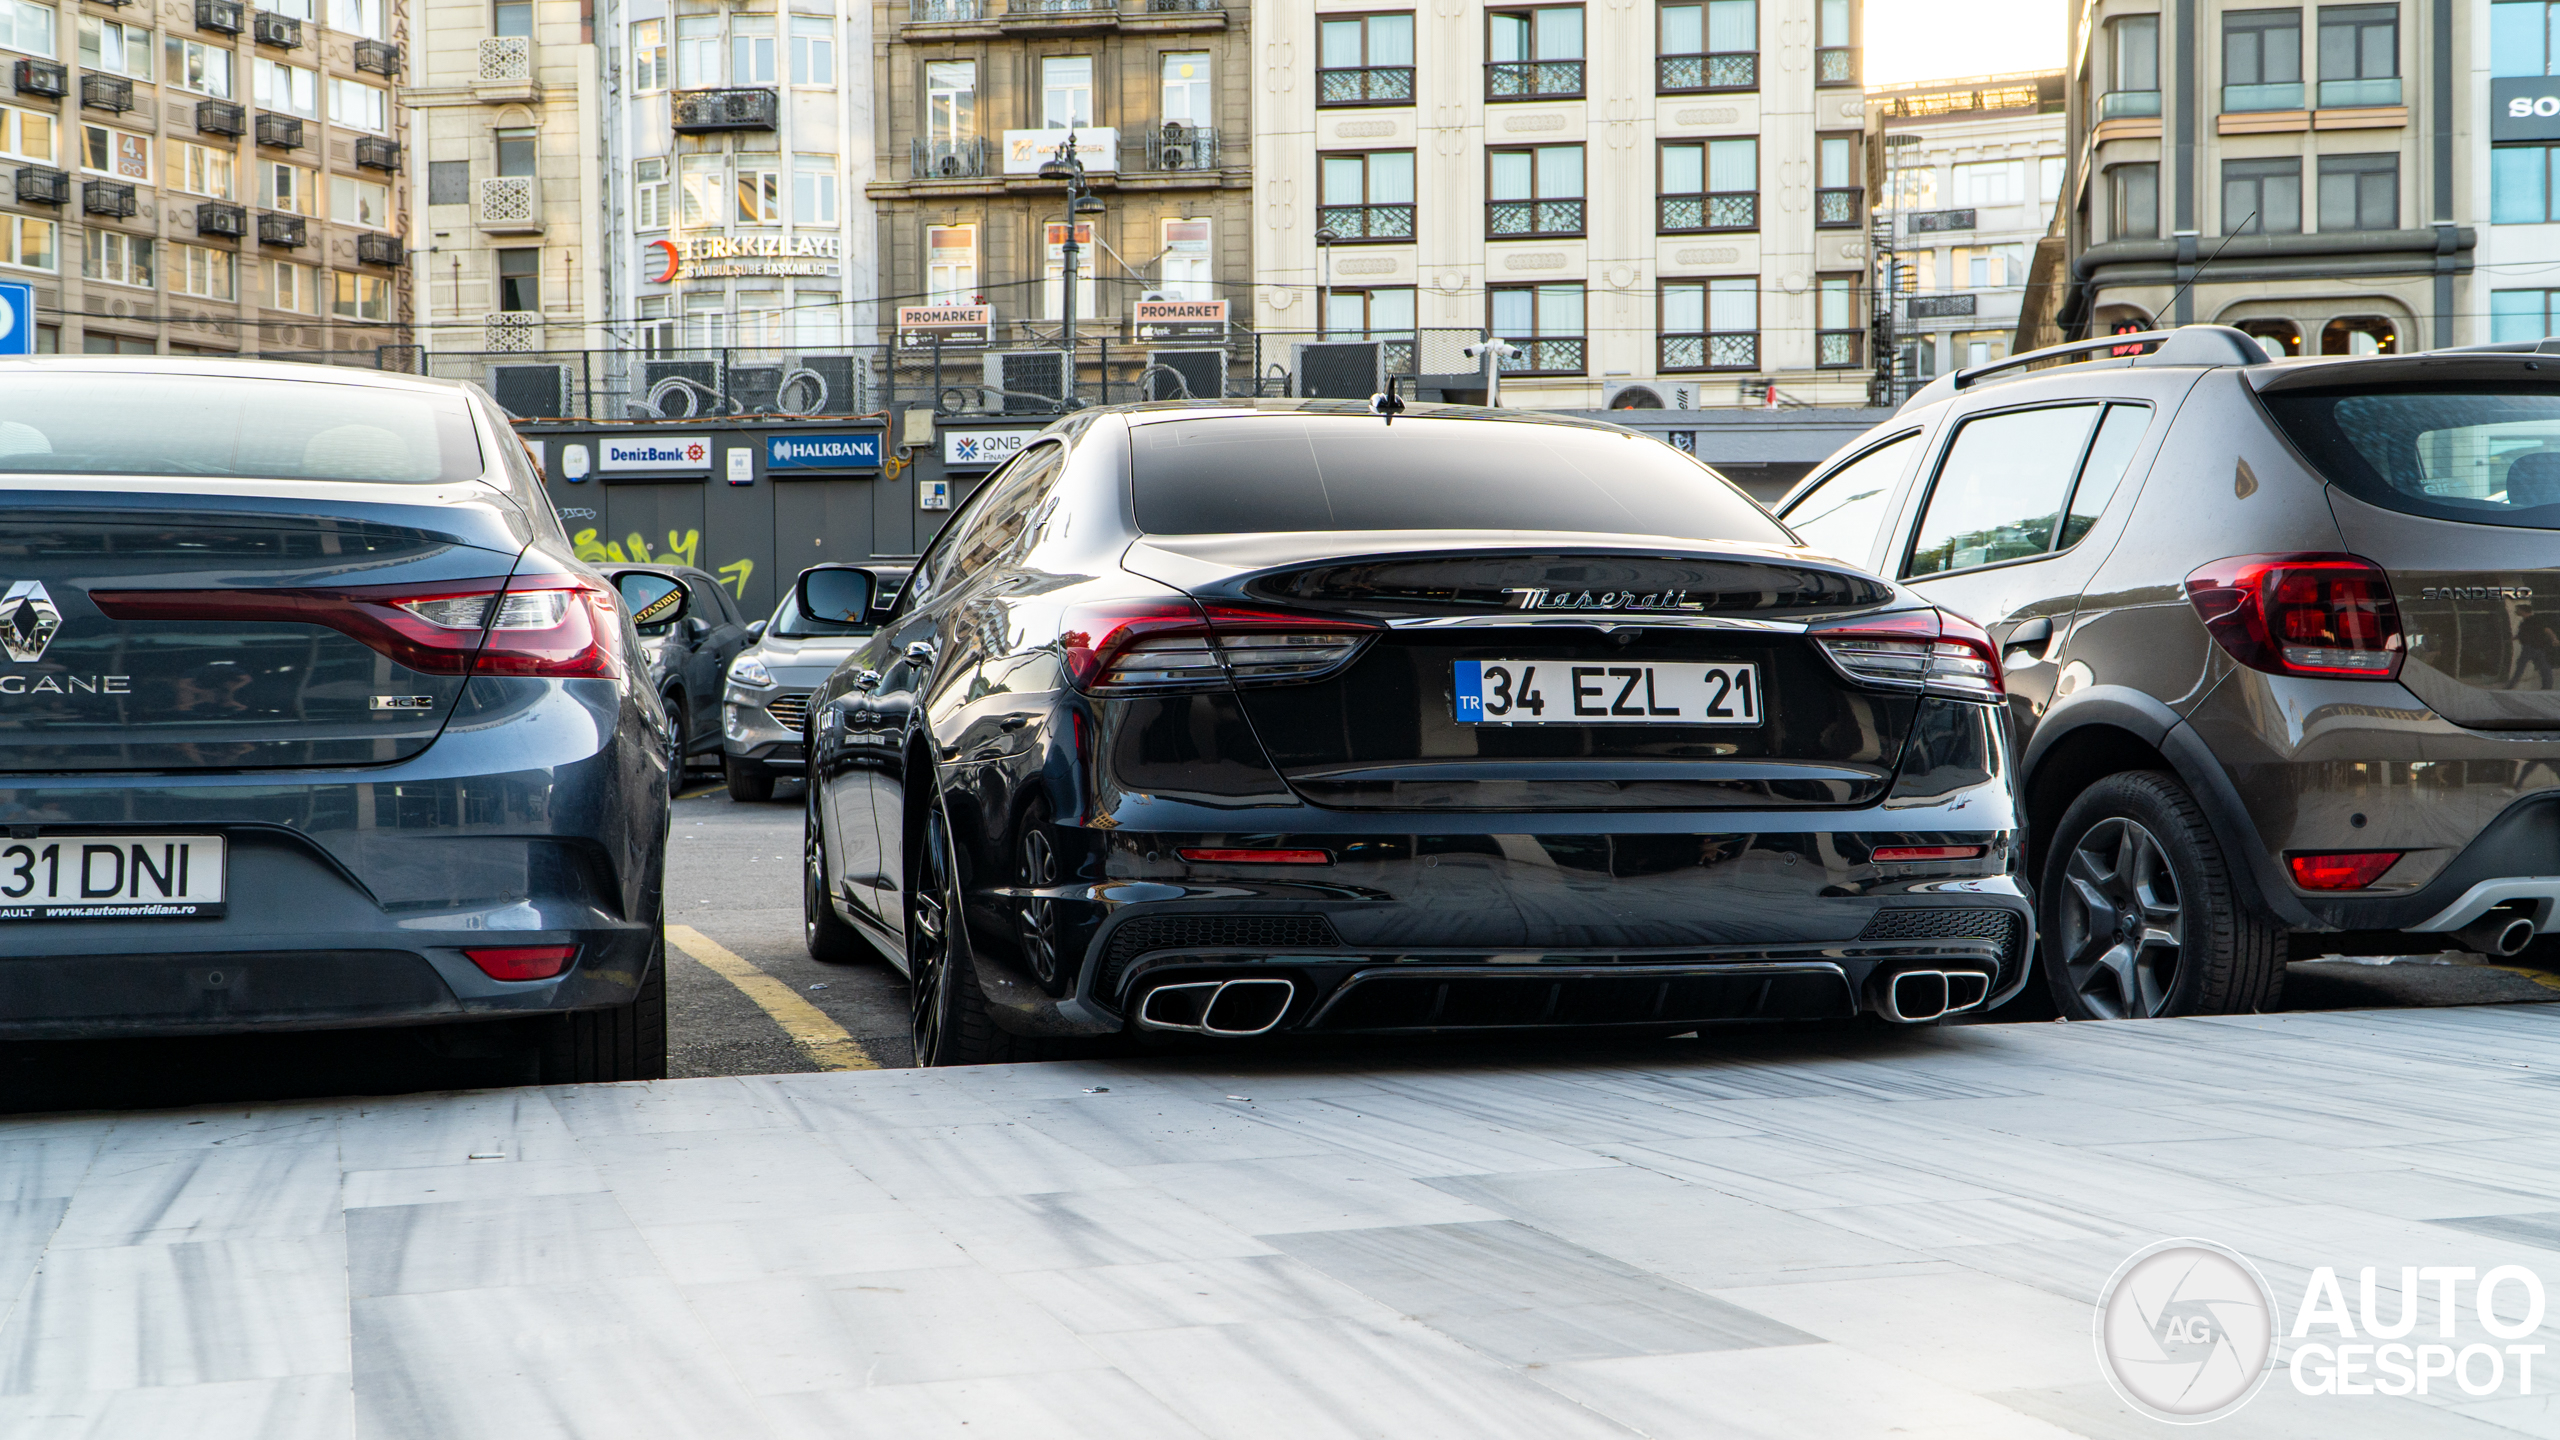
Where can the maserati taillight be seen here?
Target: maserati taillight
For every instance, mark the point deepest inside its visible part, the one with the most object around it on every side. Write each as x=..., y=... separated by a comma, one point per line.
x=2327, y=615
x=1925, y=649
x=561, y=626
x=1133, y=646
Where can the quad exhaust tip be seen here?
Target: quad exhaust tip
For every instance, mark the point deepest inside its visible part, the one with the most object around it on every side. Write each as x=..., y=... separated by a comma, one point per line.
x=1218, y=1007
x=1912, y=997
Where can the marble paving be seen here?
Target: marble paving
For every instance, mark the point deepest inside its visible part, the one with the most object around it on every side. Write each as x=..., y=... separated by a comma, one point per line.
x=1897, y=1234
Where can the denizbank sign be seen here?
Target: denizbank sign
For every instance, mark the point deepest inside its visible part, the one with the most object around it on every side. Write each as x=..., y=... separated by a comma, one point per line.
x=822, y=452
x=660, y=452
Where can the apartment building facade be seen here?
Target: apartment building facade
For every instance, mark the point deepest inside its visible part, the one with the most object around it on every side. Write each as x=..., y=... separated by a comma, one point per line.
x=1664, y=202
x=1970, y=182
x=2514, y=138
x=2299, y=171
x=197, y=176
x=506, y=108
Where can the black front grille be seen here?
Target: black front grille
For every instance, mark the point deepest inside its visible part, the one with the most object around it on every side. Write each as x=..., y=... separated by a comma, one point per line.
x=1150, y=933
x=1500, y=1001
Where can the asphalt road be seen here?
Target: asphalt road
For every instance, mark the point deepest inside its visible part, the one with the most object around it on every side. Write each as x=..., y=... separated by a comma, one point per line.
x=744, y=997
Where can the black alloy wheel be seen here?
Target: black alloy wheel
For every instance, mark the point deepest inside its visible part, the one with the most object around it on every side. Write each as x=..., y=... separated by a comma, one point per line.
x=2122, y=922
x=949, y=1023
x=677, y=740
x=826, y=934
x=1038, y=916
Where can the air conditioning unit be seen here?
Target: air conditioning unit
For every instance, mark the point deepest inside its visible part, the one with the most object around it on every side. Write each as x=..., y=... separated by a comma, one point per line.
x=1031, y=375
x=531, y=392
x=1203, y=372
x=1650, y=395
x=1339, y=369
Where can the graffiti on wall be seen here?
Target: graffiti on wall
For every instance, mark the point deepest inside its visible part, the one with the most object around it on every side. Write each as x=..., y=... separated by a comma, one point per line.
x=682, y=548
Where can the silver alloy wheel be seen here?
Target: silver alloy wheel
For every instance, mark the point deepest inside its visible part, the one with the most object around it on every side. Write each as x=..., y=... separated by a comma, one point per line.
x=2123, y=926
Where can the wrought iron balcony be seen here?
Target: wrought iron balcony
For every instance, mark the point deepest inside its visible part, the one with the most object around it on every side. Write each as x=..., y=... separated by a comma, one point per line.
x=227, y=17
x=1176, y=146
x=1070, y=8
x=1367, y=222
x=1546, y=355
x=1736, y=70
x=379, y=56
x=752, y=108
x=1717, y=350
x=511, y=332
x=1516, y=219
x=375, y=153
x=43, y=185
x=1839, y=207
x=221, y=117
x=1942, y=307
x=283, y=132
x=937, y=12
x=285, y=230
x=107, y=197
x=377, y=249
x=1838, y=349
x=509, y=203
x=106, y=92
x=214, y=217
x=1374, y=85
x=505, y=59
x=43, y=77
x=952, y=159
x=282, y=31
x=1723, y=210
x=1835, y=65
x=1185, y=7
x=1532, y=79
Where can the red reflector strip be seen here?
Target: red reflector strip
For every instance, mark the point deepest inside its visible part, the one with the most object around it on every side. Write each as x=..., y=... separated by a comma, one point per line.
x=522, y=962
x=1892, y=854
x=1258, y=857
x=2353, y=870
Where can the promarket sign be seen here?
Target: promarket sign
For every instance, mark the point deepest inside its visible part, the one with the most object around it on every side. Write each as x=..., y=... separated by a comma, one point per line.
x=662, y=453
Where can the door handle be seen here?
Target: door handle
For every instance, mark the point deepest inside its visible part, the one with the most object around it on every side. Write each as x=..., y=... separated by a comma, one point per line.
x=920, y=654
x=2033, y=632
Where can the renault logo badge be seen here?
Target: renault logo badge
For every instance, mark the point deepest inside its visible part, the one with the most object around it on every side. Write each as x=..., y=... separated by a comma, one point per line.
x=27, y=621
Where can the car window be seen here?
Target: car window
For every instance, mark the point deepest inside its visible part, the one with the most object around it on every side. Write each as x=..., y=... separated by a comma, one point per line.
x=1006, y=512
x=709, y=601
x=1839, y=516
x=934, y=568
x=2486, y=454
x=95, y=422
x=2119, y=435
x=2001, y=490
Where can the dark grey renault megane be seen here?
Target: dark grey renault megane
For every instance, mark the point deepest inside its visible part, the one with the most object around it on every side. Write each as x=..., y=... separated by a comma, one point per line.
x=1233, y=720
x=309, y=717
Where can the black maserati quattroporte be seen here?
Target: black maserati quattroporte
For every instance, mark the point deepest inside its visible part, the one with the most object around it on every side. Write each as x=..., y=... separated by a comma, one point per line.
x=1248, y=718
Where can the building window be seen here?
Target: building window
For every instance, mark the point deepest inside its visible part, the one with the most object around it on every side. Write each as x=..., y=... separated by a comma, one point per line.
x=1912, y=186
x=93, y=343
x=209, y=274
x=759, y=190
x=1835, y=58
x=2523, y=314
x=120, y=153
x=2520, y=44
x=657, y=327
x=514, y=19
x=1368, y=195
x=2133, y=200
x=951, y=264
x=1053, y=270
x=112, y=256
x=27, y=242
x=202, y=170
x=699, y=179
x=1710, y=324
x=359, y=202
x=2360, y=192
x=520, y=279
x=26, y=134
x=1709, y=46
x=1185, y=90
x=1534, y=192
x=1986, y=267
x=2262, y=197
x=2520, y=187
x=697, y=51
x=2359, y=55
x=1545, y=322
x=288, y=88
x=1987, y=182
x=1710, y=185
x=290, y=188
x=2049, y=170
x=448, y=182
x=26, y=28
x=751, y=50
x=2133, y=78
x=1535, y=54
x=1187, y=271
x=2262, y=60
x=1383, y=314
x=2279, y=338
x=950, y=101
x=205, y=69
x=648, y=56
x=1365, y=60
x=117, y=49
x=517, y=151
x=293, y=287
x=2360, y=335
x=1066, y=92
x=1839, y=200
x=359, y=297
x=813, y=50
x=649, y=197
x=359, y=106
x=813, y=190
x=1839, y=339
x=357, y=17
x=293, y=9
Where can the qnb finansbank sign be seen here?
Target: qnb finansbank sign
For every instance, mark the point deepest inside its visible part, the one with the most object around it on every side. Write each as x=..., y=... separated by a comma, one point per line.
x=661, y=453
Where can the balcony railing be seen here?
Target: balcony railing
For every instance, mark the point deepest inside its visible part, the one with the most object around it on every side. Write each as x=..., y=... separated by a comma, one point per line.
x=43, y=185
x=511, y=332
x=1546, y=355
x=935, y=12
x=285, y=230
x=2241, y=98
x=225, y=17
x=1715, y=350
x=1375, y=85
x=1367, y=222
x=2128, y=104
x=509, y=201
x=1839, y=207
x=1838, y=349
x=222, y=117
x=282, y=132
x=378, y=249
x=506, y=59
x=375, y=153
x=106, y=92
x=952, y=159
x=1723, y=210
x=1532, y=79
x=107, y=197
x=213, y=217
x=1061, y=7
x=42, y=77
x=1933, y=222
x=2342, y=94
x=698, y=111
x=1504, y=219
x=1185, y=7
x=1175, y=147
x=282, y=31
x=379, y=56
x=1835, y=65
x=1739, y=70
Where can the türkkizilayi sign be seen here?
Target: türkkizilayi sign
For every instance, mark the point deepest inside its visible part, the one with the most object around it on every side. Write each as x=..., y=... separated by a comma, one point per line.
x=2525, y=107
x=785, y=453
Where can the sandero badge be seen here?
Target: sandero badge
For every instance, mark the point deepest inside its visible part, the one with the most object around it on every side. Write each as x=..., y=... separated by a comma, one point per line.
x=28, y=621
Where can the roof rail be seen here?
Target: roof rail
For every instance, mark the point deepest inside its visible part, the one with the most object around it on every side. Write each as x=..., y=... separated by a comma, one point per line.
x=2548, y=345
x=2185, y=345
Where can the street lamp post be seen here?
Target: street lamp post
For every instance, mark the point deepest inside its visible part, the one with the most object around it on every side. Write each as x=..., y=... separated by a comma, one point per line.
x=1066, y=165
x=1325, y=238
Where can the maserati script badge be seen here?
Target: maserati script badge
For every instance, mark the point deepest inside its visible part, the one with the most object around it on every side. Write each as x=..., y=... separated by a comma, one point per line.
x=27, y=621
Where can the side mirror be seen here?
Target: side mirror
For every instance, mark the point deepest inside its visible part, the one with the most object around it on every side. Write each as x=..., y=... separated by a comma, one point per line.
x=833, y=595
x=755, y=631
x=652, y=598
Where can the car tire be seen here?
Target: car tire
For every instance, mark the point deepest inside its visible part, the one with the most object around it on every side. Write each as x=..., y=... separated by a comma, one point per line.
x=831, y=941
x=749, y=782
x=950, y=1022
x=678, y=740
x=2139, y=915
x=626, y=1042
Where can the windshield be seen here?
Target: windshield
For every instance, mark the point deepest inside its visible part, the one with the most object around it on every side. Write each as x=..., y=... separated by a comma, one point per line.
x=1245, y=474
x=2485, y=454
x=93, y=422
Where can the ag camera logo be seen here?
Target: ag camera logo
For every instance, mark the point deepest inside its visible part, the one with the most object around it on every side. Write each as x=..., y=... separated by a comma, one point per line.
x=2184, y=1331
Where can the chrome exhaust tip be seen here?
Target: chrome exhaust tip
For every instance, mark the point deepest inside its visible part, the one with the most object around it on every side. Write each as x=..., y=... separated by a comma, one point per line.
x=1966, y=989
x=2501, y=933
x=1218, y=1007
x=1912, y=996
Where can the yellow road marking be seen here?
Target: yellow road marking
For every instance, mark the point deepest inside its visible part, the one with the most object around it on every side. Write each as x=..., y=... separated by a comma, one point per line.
x=821, y=1038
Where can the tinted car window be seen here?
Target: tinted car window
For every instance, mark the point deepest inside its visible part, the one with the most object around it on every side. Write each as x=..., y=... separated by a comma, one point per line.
x=2487, y=455
x=92, y=422
x=2001, y=488
x=1839, y=516
x=710, y=601
x=999, y=522
x=1242, y=474
x=2119, y=435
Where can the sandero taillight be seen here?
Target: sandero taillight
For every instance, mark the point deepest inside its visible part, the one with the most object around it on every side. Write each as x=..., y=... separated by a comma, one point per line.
x=563, y=626
x=1928, y=650
x=2329, y=615
x=1133, y=646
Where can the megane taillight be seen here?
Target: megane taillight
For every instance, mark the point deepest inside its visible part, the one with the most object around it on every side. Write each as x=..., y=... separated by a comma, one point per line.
x=562, y=626
x=1128, y=646
x=1932, y=650
x=2330, y=615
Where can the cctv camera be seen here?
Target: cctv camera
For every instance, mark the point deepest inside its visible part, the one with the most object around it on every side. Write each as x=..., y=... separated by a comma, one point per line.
x=1499, y=349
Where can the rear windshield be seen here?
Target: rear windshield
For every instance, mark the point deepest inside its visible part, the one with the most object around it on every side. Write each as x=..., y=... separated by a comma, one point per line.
x=1239, y=475
x=105, y=422
x=2479, y=453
